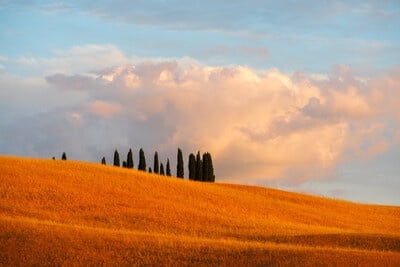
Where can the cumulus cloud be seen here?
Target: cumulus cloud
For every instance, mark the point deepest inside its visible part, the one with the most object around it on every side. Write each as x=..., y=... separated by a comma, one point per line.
x=72, y=82
x=260, y=125
x=103, y=109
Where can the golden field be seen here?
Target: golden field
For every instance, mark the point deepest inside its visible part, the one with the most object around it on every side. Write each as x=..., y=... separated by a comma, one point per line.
x=67, y=213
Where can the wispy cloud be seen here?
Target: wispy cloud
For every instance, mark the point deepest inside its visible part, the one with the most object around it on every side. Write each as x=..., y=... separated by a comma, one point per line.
x=260, y=52
x=78, y=59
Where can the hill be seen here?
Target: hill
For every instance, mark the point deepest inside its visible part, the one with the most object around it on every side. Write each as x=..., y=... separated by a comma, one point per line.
x=56, y=212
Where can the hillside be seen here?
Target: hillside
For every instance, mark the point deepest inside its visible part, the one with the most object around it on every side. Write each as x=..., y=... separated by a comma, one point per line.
x=56, y=212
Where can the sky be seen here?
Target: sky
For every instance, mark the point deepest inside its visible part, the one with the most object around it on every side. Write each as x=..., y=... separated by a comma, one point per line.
x=297, y=95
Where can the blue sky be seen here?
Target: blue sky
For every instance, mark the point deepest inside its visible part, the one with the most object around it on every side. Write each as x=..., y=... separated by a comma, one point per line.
x=310, y=36
x=284, y=72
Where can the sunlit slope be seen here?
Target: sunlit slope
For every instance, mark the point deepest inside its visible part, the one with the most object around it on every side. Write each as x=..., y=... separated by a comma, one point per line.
x=63, y=212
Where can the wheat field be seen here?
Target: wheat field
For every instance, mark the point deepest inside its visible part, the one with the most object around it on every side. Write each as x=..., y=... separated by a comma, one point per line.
x=68, y=213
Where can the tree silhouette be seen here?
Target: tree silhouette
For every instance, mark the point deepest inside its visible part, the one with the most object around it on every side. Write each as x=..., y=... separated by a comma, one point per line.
x=124, y=164
x=150, y=171
x=103, y=161
x=162, y=169
x=156, y=164
x=192, y=167
x=208, y=169
x=179, y=165
x=168, y=168
x=142, y=161
x=116, y=158
x=211, y=169
x=129, y=160
x=199, y=168
x=64, y=156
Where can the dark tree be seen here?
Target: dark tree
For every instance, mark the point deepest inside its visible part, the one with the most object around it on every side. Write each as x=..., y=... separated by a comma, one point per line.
x=208, y=169
x=179, y=165
x=129, y=160
x=205, y=167
x=211, y=174
x=54, y=158
x=116, y=158
x=124, y=164
x=103, y=161
x=168, y=168
x=162, y=169
x=192, y=167
x=156, y=164
x=150, y=171
x=142, y=161
x=64, y=156
x=199, y=168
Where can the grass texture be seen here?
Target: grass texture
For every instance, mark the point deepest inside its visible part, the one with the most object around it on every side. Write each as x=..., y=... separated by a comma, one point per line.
x=68, y=213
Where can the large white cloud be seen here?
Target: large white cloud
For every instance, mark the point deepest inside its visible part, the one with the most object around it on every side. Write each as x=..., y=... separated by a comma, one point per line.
x=258, y=124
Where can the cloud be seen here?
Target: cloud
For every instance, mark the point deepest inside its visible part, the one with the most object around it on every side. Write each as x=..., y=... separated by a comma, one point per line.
x=249, y=15
x=73, y=82
x=78, y=59
x=103, y=109
x=259, y=125
x=244, y=51
x=184, y=15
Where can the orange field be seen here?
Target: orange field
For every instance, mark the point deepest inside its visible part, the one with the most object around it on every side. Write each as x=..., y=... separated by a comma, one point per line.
x=71, y=213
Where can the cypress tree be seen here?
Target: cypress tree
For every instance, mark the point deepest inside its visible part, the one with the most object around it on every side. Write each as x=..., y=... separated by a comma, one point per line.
x=179, y=165
x=192, y=167
x=205, y=167
x=162, y=169
x=208, y=169
x=150, y=171
x=142, y=161
x=199, y=168
x=168, y=168
x=64, y=156
x=103, y=161
x=211, y=169
x=156, y=164
x=129, y=160
x=124, y=164
x=116, y=158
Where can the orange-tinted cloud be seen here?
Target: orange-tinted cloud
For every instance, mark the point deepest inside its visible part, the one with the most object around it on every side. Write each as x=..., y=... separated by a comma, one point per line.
x=104, y=109
x=258, y=124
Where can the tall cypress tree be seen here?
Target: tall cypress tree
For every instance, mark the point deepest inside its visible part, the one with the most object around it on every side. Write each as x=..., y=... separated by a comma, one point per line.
x=192, y=167
x=129, y=160
x=168, y=168
x=211, y=174
x=116, y=158
x=208, y=169
x=205, y=168
x=156, y=164
x=64, y=156
x=199, y=168
x=162, y=169
x=103, y=161
x=179, y=165
x=142, y=161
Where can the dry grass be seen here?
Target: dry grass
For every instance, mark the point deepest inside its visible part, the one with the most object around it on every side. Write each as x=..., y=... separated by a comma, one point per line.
x=73, y=213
